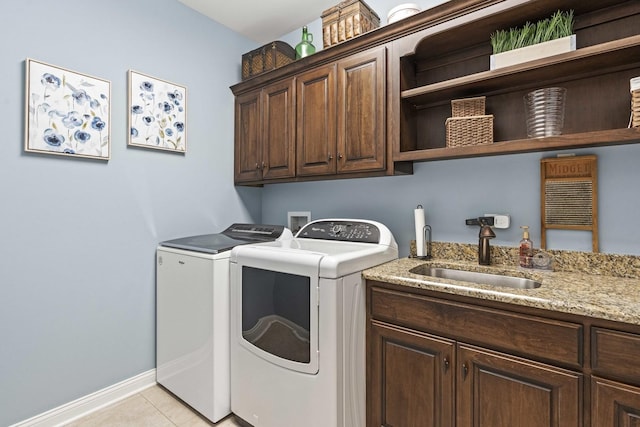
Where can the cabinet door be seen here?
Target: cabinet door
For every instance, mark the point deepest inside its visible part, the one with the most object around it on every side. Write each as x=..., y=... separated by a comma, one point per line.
x=495, y=389
x=614, y=404
x=410, y=379
x=247, y=156
x=316, y=122
x=361, y=111
x=278, y=135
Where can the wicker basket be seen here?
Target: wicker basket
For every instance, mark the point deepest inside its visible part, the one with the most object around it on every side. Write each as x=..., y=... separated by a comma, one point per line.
x=635, y=108
x=468, y=107
x=266, y=58
x=347, y=20
x=466, y=131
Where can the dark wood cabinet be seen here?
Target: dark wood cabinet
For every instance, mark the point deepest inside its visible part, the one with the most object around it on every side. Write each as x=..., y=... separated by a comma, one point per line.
x=248, y=145
x=614, y=404
x=325, y=121
x=361, y=111
x=316, y=121
x=496, y=389
x=265, y=132
x=615, y=354
x=616, y=399
x=278, y=130
x=341, y=116
x=438, y=360
x=410, y=379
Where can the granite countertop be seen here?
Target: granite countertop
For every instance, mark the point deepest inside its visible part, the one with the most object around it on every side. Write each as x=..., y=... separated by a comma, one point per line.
x=603, y=296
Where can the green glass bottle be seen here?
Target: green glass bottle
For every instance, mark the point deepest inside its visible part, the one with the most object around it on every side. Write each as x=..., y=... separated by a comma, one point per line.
x=305, y=47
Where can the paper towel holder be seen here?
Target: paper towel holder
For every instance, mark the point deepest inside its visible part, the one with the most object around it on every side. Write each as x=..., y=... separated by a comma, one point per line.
x=426, y=233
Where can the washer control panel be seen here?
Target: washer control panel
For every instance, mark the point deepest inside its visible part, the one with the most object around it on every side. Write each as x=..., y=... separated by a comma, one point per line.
x=341, y=230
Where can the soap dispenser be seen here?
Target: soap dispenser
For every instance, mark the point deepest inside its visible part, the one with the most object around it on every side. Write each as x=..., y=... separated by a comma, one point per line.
x=526, y=249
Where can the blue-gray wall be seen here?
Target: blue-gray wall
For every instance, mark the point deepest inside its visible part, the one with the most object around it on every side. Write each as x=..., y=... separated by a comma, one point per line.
x=454, y=190
x=77, y=237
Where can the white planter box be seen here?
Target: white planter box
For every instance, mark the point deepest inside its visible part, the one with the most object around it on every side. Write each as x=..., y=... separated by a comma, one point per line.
x=536, y=51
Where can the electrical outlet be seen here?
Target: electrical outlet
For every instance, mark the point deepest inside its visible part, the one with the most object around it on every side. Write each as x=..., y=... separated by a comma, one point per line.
x=500, y=220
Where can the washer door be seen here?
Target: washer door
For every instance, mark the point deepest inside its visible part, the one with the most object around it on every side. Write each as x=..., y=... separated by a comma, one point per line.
x=276, y=306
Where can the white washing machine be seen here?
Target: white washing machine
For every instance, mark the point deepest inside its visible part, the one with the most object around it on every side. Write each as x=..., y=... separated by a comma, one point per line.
x=192, y=310
x=298, y=324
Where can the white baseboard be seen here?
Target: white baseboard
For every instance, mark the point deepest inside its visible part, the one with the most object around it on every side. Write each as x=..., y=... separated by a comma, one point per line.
x=92, y=402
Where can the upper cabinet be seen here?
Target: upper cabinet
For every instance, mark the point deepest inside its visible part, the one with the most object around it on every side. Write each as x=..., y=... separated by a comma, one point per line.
x=264, y=133
x=361, y=111
x=377, y=103
x=341, y=116
x=323, y=122
x=316, y=121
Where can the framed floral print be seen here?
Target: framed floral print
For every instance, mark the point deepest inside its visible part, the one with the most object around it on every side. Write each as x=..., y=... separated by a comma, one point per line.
x=67, y=113
x=157, y=113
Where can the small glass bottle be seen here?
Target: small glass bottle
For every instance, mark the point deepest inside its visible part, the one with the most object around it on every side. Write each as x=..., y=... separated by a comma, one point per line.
x=305, y=47
x=526, y=249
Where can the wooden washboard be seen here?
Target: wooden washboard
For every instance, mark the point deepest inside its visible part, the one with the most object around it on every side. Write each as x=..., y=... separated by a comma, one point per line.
x=569, y=194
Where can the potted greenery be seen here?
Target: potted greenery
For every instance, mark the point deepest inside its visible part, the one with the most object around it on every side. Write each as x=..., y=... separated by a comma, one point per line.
x=546, y=37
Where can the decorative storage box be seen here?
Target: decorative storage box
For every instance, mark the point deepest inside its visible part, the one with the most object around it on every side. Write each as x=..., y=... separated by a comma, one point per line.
x=347, y=20
x=267, y=58
x=466, y=131
x=468, y=107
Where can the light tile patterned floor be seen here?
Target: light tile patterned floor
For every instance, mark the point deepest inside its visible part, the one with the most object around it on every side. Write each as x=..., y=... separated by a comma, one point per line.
x=152, y=407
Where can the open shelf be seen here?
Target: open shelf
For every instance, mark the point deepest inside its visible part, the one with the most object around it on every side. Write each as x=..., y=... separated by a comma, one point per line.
x=596, y=77
x=592, y=60
x=562, y=142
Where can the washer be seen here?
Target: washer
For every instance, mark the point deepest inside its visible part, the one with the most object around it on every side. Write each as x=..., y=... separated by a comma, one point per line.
x=192, y=309
x=298, y=324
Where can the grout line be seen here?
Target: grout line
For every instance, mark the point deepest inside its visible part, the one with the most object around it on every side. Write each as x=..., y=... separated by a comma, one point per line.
x=158, y=409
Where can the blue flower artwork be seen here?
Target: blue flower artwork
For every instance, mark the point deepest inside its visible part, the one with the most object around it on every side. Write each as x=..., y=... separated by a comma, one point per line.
x=157, y=113
x=68, y=113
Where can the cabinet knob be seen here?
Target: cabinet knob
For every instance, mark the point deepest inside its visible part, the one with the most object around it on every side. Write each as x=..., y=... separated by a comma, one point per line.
x=465, y=371
x=257, y=166
x=445, y=364
x=262, y=165
x=340, y=155
x=330, y=156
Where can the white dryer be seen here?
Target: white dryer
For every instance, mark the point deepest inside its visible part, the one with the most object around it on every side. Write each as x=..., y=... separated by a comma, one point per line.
x=298, y=324
x=192, y=314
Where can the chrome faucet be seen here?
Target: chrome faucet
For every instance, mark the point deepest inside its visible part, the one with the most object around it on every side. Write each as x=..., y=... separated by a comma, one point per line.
x=486, y=233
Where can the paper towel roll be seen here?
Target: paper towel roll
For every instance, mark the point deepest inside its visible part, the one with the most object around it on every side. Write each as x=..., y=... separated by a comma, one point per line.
x=418, y=214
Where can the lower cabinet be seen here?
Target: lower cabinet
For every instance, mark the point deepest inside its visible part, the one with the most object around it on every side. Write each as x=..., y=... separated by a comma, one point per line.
x=421, y=380
x=614, y=404
x=433, y=362
x=495, y=389
x=411, y=379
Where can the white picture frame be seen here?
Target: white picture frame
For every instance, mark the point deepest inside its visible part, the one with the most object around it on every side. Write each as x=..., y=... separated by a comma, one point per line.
x=157, y=113
x=67, y=113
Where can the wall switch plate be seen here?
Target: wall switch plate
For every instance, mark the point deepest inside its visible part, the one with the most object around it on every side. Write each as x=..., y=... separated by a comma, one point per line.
x=500, y=220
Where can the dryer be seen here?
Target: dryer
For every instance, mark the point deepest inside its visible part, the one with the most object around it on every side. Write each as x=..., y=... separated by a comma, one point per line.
x=192, y=314
x=298, y=324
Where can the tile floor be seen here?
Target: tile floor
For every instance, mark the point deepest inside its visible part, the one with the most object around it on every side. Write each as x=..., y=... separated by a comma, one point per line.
x=152, y=407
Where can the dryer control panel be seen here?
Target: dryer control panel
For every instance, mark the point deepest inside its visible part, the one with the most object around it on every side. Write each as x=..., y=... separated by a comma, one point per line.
x=341, y=230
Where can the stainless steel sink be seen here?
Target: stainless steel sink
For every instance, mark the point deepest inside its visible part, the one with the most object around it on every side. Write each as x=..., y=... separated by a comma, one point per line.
x=475, y=277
